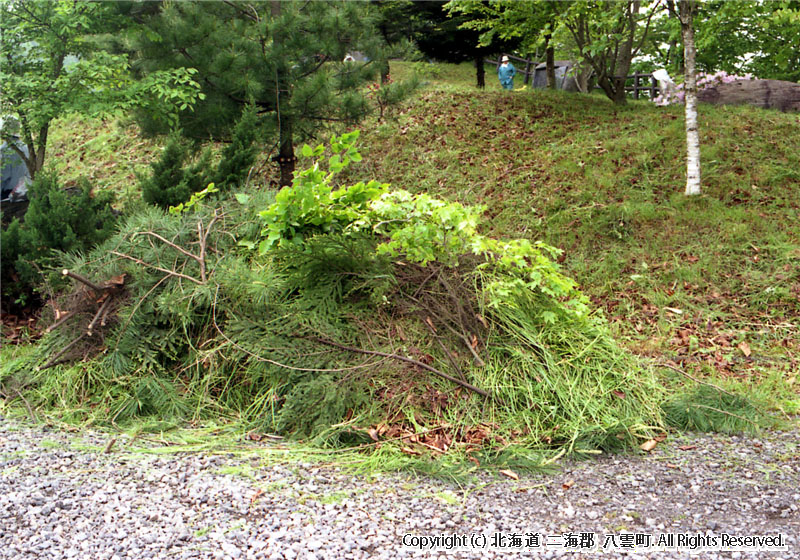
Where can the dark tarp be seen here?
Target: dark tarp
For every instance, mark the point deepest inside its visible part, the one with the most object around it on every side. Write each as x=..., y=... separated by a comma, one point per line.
x=14, y=186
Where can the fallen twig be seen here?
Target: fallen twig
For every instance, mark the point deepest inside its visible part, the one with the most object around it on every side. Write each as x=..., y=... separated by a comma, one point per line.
x=164, y=270
x=679, y=370
x=167, y=242
x=742, y=418
x=83, y=280
x=445, y=350
x=408, y=360
x=27, y=405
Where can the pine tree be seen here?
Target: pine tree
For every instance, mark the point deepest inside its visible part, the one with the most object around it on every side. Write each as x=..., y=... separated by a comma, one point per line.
x=239, y=154
x=285, y=58
x=170, y=181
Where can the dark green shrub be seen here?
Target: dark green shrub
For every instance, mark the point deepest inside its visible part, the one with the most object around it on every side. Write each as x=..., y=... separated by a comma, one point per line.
x=171, y=181
x=56, y=220
x=239, y=155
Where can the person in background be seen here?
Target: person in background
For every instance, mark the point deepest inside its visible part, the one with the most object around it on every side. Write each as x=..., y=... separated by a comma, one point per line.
x=506, y=73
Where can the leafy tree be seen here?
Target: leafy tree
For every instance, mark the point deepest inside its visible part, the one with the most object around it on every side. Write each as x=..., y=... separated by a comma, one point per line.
x=608, y=36
x=283, y=57
x=52, y=65
x=454, y=38
x=398, y=28
x=760, y=38
x=533, y=24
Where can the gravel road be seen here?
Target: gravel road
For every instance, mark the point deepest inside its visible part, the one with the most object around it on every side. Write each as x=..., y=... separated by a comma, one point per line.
x=62, y=497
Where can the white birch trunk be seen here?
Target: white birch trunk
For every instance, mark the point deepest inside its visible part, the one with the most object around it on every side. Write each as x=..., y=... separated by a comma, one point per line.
x=686, y=10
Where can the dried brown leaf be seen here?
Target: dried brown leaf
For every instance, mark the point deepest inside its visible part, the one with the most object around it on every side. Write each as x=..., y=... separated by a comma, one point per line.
x=509, y=473
x=648, y=445
x=745, y=348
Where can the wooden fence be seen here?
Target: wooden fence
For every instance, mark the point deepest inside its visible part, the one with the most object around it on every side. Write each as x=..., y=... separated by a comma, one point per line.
x=530, y=66
x=641, y=82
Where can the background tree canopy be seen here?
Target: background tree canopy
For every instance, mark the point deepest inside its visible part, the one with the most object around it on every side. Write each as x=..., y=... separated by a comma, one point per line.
x=53, y=63
x=286, y=58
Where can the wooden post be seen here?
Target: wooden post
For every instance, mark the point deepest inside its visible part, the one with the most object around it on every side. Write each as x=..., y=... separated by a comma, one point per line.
x=636, y=85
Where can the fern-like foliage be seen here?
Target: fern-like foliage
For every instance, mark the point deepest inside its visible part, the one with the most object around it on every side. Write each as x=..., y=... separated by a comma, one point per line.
x=707, y=409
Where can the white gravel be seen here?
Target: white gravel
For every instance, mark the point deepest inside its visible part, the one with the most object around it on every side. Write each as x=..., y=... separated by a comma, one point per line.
x=61, y=497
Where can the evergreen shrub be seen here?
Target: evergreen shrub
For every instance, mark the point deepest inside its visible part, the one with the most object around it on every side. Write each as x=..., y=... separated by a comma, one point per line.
x=57, y=221
x=171, y=181
x=178, y=174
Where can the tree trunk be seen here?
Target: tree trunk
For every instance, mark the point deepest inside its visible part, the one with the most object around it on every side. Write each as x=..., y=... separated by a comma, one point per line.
x=286, y=158
x=618, y=88
x=39, y=156
x=480, y=72
x=550, y=62
x=686, y=11
x=385, y=72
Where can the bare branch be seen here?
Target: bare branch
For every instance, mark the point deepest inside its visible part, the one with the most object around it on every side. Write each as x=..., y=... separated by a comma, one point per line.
x=408, y=360
x=58, y=323
x=164, y=270
x=171, y=244
x=83, y=280
x=100, y=312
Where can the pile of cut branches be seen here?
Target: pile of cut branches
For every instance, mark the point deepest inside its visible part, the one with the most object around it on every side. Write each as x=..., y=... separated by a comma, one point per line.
x=368, y=316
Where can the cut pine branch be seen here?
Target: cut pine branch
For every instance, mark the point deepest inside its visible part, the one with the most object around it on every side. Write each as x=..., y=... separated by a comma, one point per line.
x=62, y=319
x=57, y=358
x=164, y=270
x=83, y=280
x=400, y=358
x=100, y=313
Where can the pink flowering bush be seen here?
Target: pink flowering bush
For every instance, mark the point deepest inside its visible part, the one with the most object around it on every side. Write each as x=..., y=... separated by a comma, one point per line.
x=677, y=94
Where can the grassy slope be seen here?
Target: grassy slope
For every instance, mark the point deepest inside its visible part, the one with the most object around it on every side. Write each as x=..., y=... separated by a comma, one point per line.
x=712, y=283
